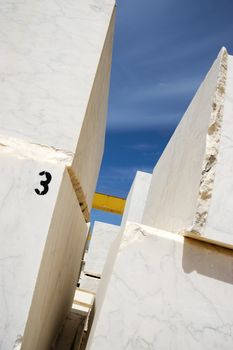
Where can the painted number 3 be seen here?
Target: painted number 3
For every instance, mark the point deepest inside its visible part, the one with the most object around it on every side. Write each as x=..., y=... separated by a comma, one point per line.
x=44, y=183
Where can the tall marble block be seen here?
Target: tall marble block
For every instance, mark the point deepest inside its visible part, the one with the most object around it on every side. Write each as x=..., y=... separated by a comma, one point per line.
x=42, y=238
x=134, y=207
x=136, y=198
x=166, y=292
x=102, y=238
x=54, y=78
x=191, y=190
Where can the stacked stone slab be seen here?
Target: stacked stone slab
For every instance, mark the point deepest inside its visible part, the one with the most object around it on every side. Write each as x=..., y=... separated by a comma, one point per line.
x=134, y=208
x=136, y=198
x=161, y=290
x=55, y=68
x=191, y=188
x=105, y=236
x=102, y=237
x=166, y=292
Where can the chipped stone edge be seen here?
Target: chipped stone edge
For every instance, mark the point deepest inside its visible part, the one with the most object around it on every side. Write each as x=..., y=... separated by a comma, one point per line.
x=79, y=193
x=39, y=152
x=212, y=150
x=133, y=232
x=22, y=149
x=137, y=233
x=18, y=343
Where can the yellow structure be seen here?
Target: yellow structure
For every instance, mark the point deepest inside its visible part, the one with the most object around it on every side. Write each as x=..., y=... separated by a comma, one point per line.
x=108, y=203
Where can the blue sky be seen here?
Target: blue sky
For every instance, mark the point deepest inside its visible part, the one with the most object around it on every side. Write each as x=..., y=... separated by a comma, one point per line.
x=162, y=51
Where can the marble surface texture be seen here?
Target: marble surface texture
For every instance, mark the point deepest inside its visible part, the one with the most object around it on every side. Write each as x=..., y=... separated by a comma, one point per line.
x=83, y=301
x=89, y=283
x=59, y=270
x=54, y=78
x=25, y=219
x=173, y=194
x=191, y=186
x=136, y=198
x=49, y=57
x=33, y=252
x=166, y=292
x=102, y=238
x=219, y=220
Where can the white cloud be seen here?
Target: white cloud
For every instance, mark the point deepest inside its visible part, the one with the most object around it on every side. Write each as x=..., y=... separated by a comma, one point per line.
x=142, y=147
x=168, y=89
x=127, y=111
x=165, y=90
x=134, y=120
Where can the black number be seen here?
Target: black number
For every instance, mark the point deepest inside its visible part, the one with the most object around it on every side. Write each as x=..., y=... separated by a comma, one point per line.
x=44, y=183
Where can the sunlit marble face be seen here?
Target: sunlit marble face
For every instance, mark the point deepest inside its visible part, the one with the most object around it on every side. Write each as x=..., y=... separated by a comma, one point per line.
x=49, y=58
x=136, y=198
x=42, y=238
x=166, y=292
x=54, y=80
x=192, y=182
x=101, y=239
x=25, y=218
x=55, y=71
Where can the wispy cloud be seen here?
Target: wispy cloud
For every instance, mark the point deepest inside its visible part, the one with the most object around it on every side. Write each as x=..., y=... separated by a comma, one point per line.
x=142, y=147
x=136, y=120
x=162, y=91
x=161, y=54
x=152, y=105
x=166, y=90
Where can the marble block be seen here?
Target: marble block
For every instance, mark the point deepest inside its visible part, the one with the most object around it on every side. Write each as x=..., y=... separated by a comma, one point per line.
x=191, y=190
x=166, y=292
x=102, y=237
x=89, y=283
x=136, y=198
x=42, y=238
x=83, y=304
x=134, y=207
x=54, y=78
x=83, y=301
x=71, y=332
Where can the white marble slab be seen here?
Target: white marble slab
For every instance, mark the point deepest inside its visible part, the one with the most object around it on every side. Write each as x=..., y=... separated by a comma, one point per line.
x=89, y=283
x=136, y=198
x=54, y=77
x=166, y=292
x=192, y=186
x=83, y=301
x=54, y=80
x=102, y=238
x=134, y=207
x=219, y=219
x=41, y=243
